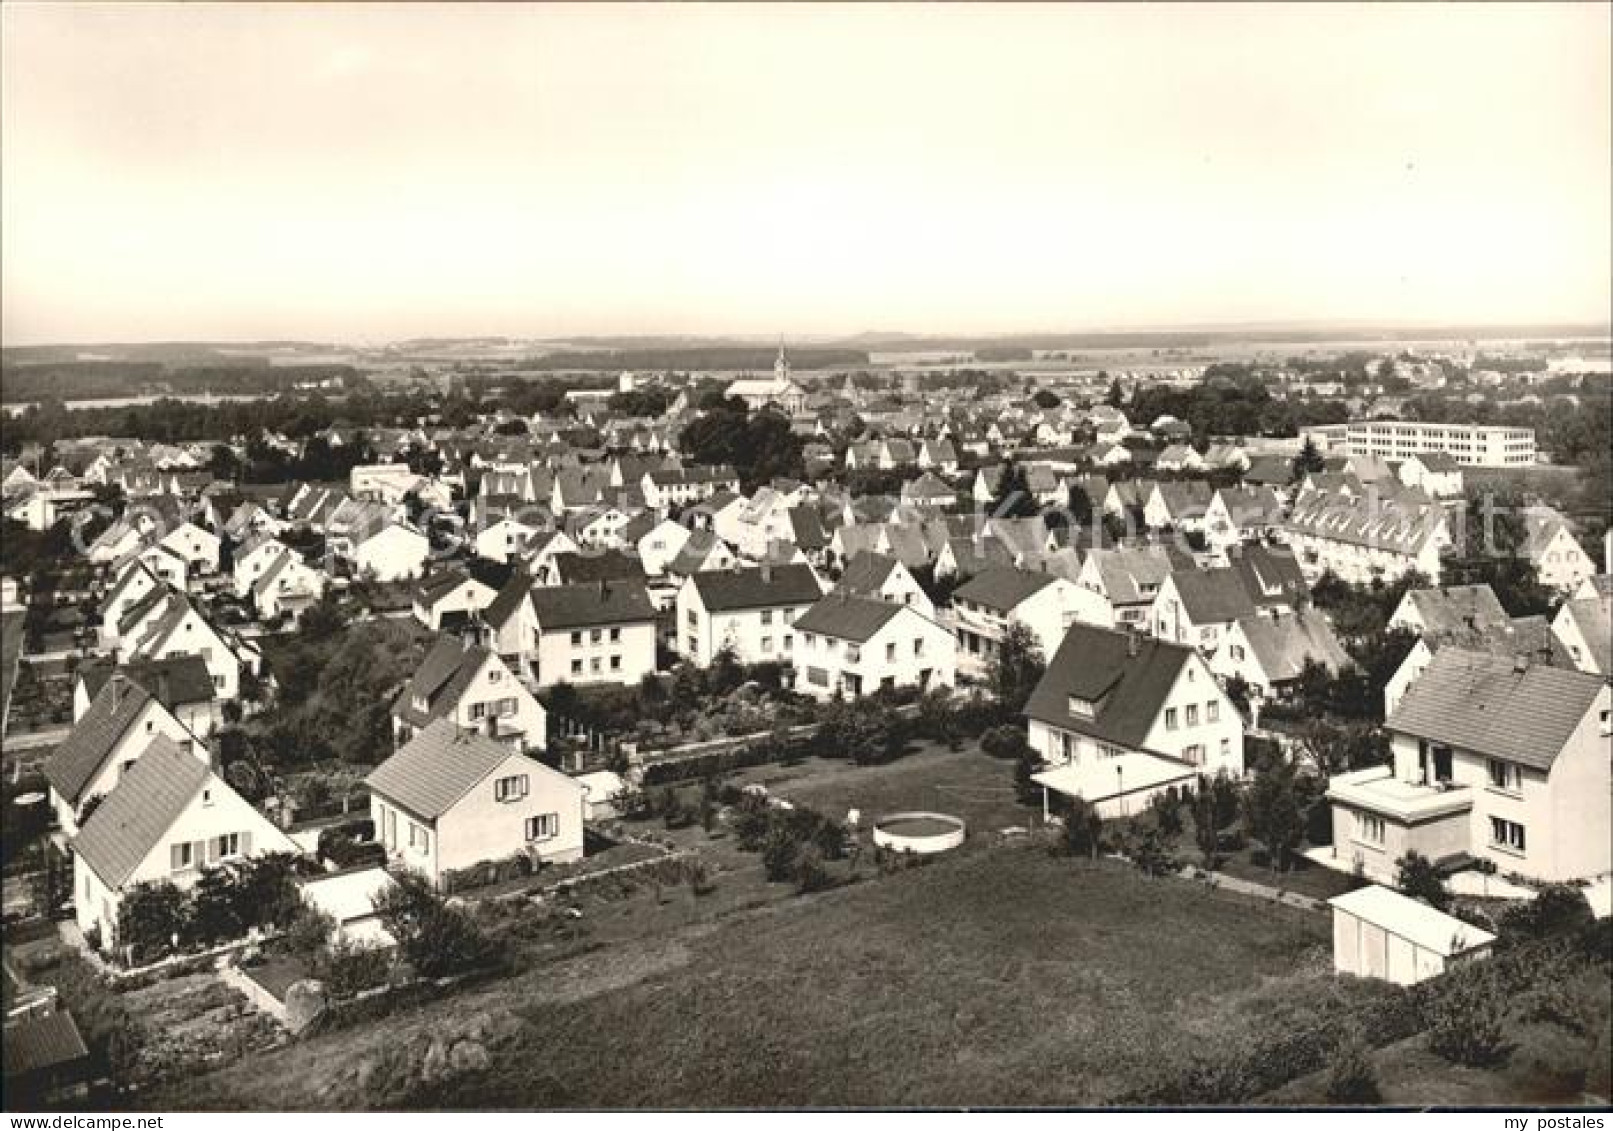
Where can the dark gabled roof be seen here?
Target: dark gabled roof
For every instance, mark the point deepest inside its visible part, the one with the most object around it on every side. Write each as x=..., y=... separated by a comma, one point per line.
x=598, y=565
x=440, y=680
x=39, y=1044
x=147, y=801
x=845, y=617
x=1269, y=575
x=1128, y=690
x=808, y=527
x=82, y=753
x=440, y=765
x=583, y=606
x=1003, y=588
x=768, y=587
x=1496, y=706
x=509, y=598
x=174, y=681
x=866, y=572
x=1212, y=596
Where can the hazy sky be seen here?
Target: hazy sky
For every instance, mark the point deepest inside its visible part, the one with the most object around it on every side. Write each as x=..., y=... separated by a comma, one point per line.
x=369, y=172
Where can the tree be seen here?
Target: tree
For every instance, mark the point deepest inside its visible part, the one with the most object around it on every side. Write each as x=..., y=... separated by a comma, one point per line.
x=938, y=717
x=1017, y=668
x=1416, y=876
x=780, y=847
x=1082, y=831
x=1005, y=742
x=861, y=729
x=436, y=939
x=1013, y=498
x=214, y=907
x=151, y=917
x=1045, y=399
x=1117, y=396
x=1080, y=506
x=1309, y=461
x=1272, y=813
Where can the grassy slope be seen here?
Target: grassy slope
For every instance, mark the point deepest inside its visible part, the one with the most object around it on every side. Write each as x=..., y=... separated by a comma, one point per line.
x=995, y=977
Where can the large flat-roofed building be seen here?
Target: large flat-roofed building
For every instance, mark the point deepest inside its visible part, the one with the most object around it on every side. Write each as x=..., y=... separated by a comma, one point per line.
x=1474, y=445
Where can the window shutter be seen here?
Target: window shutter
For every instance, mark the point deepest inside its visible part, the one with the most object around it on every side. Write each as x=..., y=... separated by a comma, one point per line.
x=214, y=848
x=246, y=843
x=175, y=862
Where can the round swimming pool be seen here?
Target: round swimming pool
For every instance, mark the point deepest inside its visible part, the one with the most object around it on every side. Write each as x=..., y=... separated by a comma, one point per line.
x=919, y=833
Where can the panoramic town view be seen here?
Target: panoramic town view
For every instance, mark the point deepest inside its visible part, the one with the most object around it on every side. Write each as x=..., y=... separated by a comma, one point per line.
x=733, y=557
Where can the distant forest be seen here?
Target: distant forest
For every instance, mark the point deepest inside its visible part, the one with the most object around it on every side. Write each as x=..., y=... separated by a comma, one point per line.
x=91, y=380
x=758, y=358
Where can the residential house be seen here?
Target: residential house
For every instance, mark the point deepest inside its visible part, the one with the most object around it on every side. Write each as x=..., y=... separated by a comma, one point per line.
x=1119, y=718
x=168, y=818
x=749, y=612
x=1584, y=625
x=854, y=646
x=168, y=624
x=1449, y=609
x=1127, y=581
x=464, y=681
x=1369, y=537
x=1436, y=474
x=181, y=684
x=660, y=545
x=1197, y=607
x=1494, y=758
x=448, y=800
x=197, y=547
x=288, y=588
x=1560, y=561
x=595, y=633
x=450, y=596
x=1530, y=637
x=883, y=578
x=986, y=606
x=1270, y=652
x=252, y=559
x=395, y=552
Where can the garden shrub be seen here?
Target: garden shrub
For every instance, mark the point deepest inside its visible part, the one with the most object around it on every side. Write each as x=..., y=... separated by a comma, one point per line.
x=1467, y=1021
x=348, y=968
x=435, y=939
x=779, y=850
x=1352, y=1078
x=810, y=873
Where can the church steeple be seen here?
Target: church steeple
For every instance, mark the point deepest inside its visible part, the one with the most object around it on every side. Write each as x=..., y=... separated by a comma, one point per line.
x=781, y=367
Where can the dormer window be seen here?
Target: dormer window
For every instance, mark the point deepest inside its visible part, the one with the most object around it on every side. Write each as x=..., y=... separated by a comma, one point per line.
x=1082, y=708
x=420, y=703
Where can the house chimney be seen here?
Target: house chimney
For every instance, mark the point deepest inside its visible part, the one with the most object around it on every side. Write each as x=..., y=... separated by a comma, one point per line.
x=767, y=571
x=1133, y=643
x=602, y=588
x=1520, y=663
x=119, y=686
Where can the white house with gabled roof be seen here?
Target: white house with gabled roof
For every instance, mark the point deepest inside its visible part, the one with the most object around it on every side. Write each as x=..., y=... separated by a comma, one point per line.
x=448, y=800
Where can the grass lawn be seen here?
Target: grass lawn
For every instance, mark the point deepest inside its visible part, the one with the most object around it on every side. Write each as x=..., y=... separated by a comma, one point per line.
x=1305, y=876
x=962, y=783
x=1002, y=976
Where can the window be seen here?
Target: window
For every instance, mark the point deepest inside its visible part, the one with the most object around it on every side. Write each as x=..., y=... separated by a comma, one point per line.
x=1212, y=712
x=512, y=788
x=494, y=675
x=229, y=844
x=595, y=635
x=1170, y=718
x=180, y=857
x=890, y=653
x=1369, y=828
x=615, y=636
x=1226, y=749
x=1237, y=651
x=543, y=827
x=576, y=667
x=767, y=643
x=593, y=664
x=207, y=794
x=767, y=616
x=1194, y=755
x=576, y=638
x=615, y=663
x=478, y=711
x=694, y=645
x=693, y=618
x=1506, y=834
x=789, y=643
x=1505, y=776
x=1192, y=714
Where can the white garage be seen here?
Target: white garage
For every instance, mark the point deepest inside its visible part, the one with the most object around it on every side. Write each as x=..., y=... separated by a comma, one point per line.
x=1379, y=933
